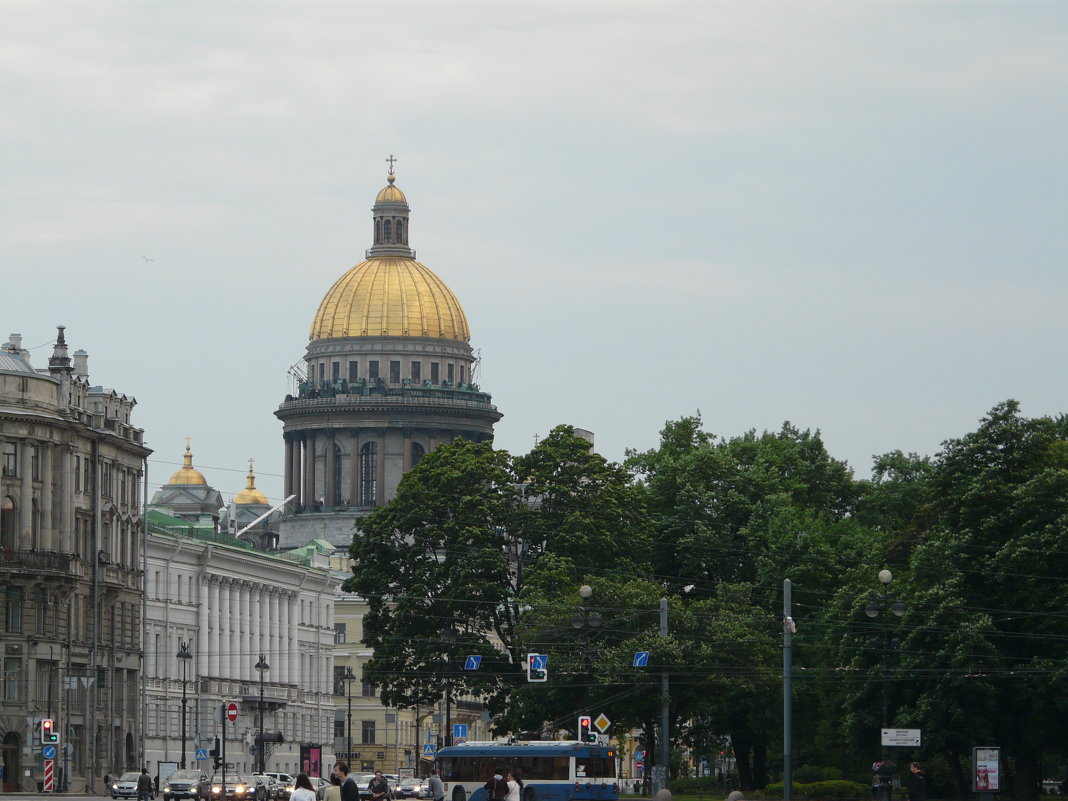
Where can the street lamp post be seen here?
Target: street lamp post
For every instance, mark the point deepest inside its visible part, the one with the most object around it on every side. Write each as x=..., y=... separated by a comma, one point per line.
x=349, y=678
x=448, y=637
x=184, y=655
x=262, y=667
x=590, y=620
x=873, y=609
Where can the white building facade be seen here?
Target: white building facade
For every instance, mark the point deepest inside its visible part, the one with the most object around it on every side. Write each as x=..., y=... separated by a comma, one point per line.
x=232, y=608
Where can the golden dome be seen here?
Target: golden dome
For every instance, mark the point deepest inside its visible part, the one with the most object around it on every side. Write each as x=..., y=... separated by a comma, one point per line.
x=391, y=194
x=188, y=475
x=250, y=494
x=390, y=296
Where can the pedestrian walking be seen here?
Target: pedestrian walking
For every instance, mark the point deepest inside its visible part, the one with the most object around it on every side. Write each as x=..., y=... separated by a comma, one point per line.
x=302, y=789
x=144, y=786
x=350, y=791
x=917, y=787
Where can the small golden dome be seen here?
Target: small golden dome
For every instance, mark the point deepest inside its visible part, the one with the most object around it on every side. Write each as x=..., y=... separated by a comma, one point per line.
x=390, y=194
x=390, y=296
x=188, y=475
x=250, y=494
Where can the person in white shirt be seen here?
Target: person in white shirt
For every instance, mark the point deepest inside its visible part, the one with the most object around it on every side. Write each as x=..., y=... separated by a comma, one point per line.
x=303, y=789
x=513, y=787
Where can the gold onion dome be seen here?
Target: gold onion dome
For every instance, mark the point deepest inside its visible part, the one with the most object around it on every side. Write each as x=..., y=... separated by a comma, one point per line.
x=250, y=494
x=390, y=294
x=188, y=474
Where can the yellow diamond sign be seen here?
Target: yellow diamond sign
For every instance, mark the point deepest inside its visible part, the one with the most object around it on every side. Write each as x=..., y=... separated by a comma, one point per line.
x=602, y=723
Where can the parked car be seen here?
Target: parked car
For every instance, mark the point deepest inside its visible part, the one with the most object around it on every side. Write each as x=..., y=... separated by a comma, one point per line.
x=412, y=787
x=187, y=784
x=238, y=788
x=126, y=786
x=285, y=784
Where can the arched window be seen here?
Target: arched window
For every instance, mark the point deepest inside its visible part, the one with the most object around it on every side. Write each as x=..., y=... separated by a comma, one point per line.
x=368, y=474
x=417, y=453
x=388, y=229
x=335, y=492
x=400, y=232
x=8, y=523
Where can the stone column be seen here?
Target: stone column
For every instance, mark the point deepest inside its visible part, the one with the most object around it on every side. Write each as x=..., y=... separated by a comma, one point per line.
x=285, y=643
x=354, y=467
x=288, y=471
x=66, y=500
x=294, y=643
x=203, y=646
x=235, y=631
x=298, y=473
x=48, y=537
x=274, y=650
x=309, y=470
x=215, y=638
x=248, y=663
x=328, y=471
x=25, y=537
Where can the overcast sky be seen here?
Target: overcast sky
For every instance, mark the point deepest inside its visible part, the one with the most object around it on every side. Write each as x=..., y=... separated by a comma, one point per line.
x=849, y=215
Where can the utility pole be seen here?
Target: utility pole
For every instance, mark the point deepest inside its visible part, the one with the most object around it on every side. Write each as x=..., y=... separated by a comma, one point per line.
x=665, y=704
x=787, y=691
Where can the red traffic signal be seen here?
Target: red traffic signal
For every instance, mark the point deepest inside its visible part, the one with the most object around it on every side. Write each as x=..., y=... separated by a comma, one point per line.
x=585, y=729
x=48, y=731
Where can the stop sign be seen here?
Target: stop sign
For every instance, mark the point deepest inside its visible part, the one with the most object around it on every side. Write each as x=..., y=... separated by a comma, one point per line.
x=231, y=712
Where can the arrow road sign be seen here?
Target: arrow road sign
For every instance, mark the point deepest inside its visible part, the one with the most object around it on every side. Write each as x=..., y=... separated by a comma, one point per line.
x=473, y=661
x=459, y=730
x=49, y=752
x=641, y=659
x=538, y=661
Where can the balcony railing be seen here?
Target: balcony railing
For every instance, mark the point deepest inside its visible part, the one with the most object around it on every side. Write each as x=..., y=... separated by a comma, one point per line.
x=38, y=562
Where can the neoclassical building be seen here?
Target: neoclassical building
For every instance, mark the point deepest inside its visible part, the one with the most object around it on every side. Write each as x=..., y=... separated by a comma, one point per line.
x=228, y=605
x=71, y=467
x=389, y=376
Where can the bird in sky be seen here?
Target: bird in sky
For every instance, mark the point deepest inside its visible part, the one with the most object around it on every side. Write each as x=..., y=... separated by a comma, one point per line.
x=146, y=258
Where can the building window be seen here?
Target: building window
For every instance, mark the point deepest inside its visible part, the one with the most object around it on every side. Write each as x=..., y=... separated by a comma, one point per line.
x=417, y=372
x=372, y=369
x=35, y=463
x=335, y=371
x=367, y=691
x=339, y=729
x=367, y=731
x=387, y=228
x=13, y=610
x=77, y=473
x=353, y=371
x=339, y=635
x=339, y=678
x=400, y=232
x=11, y=459
x=368, y=473
x=417, y=453
x=12, y=683
x=87, y=485
x=394, y=372
x=449, y=371
x=8, y=523
x=434, y=372
x=462, y=379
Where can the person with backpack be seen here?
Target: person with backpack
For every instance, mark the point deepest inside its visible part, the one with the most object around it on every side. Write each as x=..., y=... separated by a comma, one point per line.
x=497, y=788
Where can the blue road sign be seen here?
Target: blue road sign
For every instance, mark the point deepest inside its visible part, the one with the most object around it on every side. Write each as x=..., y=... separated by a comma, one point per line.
x=472, y=663
x=641, y=659
x=202, y=753
x=459, y=730
x=428, y=749
x=538, y=661
x=49, y=752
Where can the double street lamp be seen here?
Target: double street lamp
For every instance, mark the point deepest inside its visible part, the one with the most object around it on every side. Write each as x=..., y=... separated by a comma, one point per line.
x=184, y=655
x=262, y=667
x=448, y=637
x=885, y=603
x=590, y=620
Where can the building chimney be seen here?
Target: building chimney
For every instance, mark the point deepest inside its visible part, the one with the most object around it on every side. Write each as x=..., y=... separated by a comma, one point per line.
x=81, y=364
x=14, y=343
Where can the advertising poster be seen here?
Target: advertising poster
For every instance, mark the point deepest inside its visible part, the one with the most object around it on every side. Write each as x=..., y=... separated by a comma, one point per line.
x=987, y=773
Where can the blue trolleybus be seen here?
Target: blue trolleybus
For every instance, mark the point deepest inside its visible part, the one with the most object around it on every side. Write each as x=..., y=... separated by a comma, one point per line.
x=551, y=770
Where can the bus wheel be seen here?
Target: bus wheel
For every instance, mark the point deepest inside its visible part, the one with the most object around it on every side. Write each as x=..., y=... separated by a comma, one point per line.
x=530, y=794
x=459, y=794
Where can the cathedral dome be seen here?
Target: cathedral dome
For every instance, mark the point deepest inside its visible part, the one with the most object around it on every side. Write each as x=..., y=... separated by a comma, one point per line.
x=390, y=193
x=250, y=494
x=188, y=474
x=388, y=296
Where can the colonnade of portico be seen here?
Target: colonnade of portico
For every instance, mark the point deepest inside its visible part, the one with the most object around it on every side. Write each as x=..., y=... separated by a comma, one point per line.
x=238, y=621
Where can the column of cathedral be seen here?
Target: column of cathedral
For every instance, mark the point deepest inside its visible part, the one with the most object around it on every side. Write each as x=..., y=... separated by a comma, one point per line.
x=308, y=490
x=215, y=638
x=328, y=470
x=294, y=645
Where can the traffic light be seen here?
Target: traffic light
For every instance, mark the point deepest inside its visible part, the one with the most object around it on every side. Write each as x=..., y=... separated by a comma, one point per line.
x=218, y=761
x=48, y=731
x=585, y=730
x=537, y=667
x=216, y=755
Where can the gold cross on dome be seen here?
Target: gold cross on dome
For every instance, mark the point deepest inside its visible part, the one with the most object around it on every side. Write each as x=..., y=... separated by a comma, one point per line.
x=391, y=161
x=187, y=441
x=250, y=464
